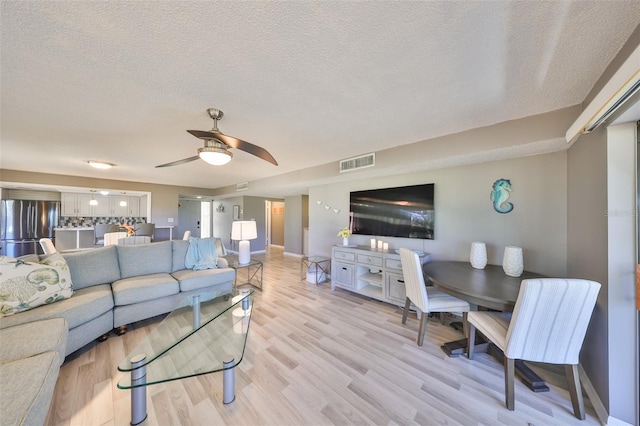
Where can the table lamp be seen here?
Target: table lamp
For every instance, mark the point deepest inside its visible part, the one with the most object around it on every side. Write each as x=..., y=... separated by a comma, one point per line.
x=243, y=231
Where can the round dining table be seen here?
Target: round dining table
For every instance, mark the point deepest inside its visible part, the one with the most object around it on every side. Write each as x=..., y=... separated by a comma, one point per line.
x=489, y=288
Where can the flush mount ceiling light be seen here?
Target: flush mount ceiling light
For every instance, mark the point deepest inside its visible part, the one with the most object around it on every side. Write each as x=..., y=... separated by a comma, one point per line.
x=215, y=153
x=100, y=164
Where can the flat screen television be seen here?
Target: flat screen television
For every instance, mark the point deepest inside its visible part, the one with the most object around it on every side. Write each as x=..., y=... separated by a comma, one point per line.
x=406, y=211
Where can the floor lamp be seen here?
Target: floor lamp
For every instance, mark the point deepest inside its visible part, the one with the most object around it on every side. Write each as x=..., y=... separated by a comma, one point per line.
x=243, y=231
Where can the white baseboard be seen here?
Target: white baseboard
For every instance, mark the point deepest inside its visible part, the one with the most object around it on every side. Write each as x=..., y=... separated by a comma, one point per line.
x=286, y=253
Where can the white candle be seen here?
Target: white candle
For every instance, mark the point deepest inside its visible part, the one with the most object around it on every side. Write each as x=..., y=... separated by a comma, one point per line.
x=380, y=245
x=385, y=246
x=373, y=243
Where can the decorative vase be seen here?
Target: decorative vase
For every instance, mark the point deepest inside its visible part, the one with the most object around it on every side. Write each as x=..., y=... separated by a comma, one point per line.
x=478, y=255
x=512, y=261
x=345, y=241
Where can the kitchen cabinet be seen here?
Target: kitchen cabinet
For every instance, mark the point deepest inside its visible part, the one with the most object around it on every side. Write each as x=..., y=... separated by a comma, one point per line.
x=131, y=207
x=108, y=205
x=103, y=207
x=76, y=205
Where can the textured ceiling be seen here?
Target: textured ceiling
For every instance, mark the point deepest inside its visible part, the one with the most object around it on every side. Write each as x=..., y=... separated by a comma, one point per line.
x=312, y=82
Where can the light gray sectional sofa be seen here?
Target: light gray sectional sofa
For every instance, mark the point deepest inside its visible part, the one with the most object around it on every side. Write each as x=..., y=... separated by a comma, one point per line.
x=112, y=287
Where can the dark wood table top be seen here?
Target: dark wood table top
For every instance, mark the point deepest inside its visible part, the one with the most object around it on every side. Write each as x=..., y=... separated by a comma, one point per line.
x=489, y=287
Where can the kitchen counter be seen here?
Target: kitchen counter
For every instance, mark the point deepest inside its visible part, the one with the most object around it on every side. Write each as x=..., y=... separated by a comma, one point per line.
x=74, y=238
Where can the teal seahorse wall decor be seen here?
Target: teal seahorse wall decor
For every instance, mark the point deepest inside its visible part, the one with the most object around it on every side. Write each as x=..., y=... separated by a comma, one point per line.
x=500, y=195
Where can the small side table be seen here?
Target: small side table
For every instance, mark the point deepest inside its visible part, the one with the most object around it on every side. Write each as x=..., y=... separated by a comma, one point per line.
x=321, y=265
x=254, y=271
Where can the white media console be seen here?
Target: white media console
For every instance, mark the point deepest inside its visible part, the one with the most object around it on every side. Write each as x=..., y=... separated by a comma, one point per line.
x=370, y=272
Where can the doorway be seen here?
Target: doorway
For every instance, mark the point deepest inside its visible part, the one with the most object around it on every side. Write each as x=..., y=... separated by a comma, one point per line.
x=189, y=217
x=274, y=223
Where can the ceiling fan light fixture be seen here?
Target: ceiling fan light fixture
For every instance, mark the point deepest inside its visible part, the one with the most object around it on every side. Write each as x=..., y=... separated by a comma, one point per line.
x=216, y=156
x=100, y=164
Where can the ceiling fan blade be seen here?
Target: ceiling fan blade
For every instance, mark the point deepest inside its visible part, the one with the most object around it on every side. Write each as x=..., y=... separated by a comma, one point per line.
x=245, y=146
x=202, y=134
x=177, y=163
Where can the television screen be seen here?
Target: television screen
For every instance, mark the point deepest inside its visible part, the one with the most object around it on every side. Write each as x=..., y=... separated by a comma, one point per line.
x=406, y=211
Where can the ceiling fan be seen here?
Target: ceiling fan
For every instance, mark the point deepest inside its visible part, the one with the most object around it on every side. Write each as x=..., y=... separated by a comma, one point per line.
x=216, y=145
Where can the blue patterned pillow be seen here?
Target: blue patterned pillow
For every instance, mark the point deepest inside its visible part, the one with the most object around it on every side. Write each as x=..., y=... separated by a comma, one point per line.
x=26, y=285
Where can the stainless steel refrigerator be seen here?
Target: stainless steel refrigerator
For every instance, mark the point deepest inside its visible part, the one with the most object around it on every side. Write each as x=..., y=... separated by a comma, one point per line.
x=23, y=223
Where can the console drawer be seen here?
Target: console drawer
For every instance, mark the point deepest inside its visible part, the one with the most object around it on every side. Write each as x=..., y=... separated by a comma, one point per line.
x=366, y=259
x=393, y=264
x=344, y=255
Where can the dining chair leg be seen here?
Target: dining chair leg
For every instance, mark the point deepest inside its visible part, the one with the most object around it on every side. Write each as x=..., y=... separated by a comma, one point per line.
x=575, y=390
x=442, y=316
x=509, y=386
x=471, y=340
x=423, y=328
x=407, y=304
x=465, y=325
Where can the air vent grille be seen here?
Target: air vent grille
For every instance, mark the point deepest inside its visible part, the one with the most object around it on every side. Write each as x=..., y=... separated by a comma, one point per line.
x=242, y=186
x=367, y=160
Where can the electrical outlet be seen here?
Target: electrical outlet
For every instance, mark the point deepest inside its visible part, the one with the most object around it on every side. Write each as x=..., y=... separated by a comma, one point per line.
x=170, y=220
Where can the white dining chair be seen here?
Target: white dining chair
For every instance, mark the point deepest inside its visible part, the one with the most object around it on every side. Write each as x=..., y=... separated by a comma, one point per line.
x=548, y=324
x=47, y=246
x=111, y=238
x=187, y=235
x=134, y=240
x=426, y=299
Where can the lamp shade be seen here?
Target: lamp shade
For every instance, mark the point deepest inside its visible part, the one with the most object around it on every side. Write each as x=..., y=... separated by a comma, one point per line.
x=244, y=230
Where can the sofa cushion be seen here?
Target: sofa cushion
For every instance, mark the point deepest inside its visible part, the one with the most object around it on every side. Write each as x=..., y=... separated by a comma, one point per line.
x=141, y=289
x=144, y=259
x=43, y=336
x=93, y=267
x=191, y=280
x=26, y=285
x=85, y=305
x=27, y=388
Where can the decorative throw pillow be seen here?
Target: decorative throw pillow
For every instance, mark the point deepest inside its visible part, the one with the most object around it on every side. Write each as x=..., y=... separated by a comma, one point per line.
x=26, y=285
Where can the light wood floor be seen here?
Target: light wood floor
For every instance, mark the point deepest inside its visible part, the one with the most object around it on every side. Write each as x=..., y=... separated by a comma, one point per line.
x=313, y=358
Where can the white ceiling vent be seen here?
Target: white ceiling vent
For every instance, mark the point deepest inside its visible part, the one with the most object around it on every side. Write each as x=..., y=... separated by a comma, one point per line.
x=242, y=186
x=367, y=160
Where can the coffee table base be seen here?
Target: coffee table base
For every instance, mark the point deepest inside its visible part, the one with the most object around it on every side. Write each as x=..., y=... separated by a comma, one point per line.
x=139, y=393
x=228, y=382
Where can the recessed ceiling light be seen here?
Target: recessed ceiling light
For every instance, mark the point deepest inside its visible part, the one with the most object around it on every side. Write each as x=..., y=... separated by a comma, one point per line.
x=104, y=192
x=100, y=164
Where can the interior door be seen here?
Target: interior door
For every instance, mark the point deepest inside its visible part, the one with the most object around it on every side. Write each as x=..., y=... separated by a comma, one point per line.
x=189, y=218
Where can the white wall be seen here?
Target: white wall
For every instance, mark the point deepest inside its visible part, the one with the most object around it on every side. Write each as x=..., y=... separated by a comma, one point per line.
x=621, y=219
x=601, y=246
x=464, y=212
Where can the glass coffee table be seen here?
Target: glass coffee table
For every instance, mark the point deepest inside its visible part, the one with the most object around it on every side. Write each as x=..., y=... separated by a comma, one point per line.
x=205, y=333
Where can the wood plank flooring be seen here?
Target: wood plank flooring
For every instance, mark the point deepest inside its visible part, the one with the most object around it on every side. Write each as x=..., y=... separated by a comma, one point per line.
x=316, y=358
